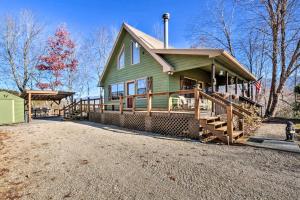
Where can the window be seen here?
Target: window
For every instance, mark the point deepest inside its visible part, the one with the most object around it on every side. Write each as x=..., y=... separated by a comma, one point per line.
x=135, y=53
x=141, y=86
x=188, y=83
x=117, y=90
x=121, y=59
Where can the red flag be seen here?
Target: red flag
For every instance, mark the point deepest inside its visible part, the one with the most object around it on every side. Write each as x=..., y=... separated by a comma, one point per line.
x=258, y=86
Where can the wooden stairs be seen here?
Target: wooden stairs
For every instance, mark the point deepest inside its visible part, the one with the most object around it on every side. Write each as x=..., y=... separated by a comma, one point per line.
x=75, y=111
x=218, y=128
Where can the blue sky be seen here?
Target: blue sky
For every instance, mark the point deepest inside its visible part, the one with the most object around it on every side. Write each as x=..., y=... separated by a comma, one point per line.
x=83, y=16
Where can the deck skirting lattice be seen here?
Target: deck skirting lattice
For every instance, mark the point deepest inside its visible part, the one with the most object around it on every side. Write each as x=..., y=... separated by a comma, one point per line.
x=175, y=124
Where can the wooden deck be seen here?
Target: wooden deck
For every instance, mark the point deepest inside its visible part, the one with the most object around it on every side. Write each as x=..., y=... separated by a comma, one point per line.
x=226, y=126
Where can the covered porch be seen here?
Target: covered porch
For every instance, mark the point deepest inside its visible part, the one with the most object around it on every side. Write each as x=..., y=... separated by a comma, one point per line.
x=56, y=97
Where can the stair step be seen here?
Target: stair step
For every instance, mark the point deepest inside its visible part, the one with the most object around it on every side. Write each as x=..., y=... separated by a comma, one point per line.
x=208, y=118
x=217, y=123
x=236, y=133
x=222, y=129
x=205, y=120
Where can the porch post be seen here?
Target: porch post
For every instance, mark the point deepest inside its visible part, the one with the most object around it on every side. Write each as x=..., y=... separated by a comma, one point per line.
x=236, y=85
x=226, y=85
x=213, y=77
x=213, y=83
x=243, y=88
x=248, y=91
x=251, y=91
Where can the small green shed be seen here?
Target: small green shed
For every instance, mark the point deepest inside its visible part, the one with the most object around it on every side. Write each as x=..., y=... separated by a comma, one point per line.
x=11, y=108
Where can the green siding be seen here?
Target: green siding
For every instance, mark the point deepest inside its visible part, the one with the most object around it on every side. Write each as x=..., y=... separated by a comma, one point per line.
x=187, y=62
x=147, y=67
x=190, y=66
x=19, y=111
x=6, y=111
x=11, y=108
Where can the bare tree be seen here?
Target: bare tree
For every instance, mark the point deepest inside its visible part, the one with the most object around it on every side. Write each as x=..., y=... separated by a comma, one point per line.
x=217, y=30
x=94, y=53
x=20, y=47
x=283, y=31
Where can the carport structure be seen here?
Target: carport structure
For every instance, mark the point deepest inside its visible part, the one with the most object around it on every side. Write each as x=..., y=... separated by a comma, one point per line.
x=44, y=95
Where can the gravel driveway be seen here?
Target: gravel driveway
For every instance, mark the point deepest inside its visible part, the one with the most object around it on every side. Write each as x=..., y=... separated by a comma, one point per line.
x=68, y=160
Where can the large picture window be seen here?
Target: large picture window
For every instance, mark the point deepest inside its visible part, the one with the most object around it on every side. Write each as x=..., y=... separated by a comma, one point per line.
x=135, y=53
x=121, y=59
x=117, y=90
x=141, y=86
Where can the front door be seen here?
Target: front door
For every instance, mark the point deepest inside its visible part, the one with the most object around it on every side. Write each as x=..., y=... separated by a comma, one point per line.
x=130, y=91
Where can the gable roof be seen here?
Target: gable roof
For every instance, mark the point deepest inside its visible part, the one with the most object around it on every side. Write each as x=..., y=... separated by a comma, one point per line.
x=146, y=41
x=9, y=96
x=156, y=48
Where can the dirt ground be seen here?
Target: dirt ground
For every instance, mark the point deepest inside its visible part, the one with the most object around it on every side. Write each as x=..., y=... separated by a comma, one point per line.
x=69, y=160
x=272, y=130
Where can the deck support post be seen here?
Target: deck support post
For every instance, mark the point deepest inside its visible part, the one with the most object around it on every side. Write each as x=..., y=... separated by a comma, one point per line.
x=170, y=103
x=121, y=105
x=149, y=102
x=94, y=105
x=74, y=106
x=197, y=106
x=101, y=108
x=64, y=111
x=241, y=124
x=29, y=107
x=229, y=122
x=226, y=84
x=133, y=104
x=89, y=104
x=80, y=107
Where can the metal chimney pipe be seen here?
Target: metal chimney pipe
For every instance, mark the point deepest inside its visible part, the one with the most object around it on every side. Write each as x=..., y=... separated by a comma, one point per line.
x=166, y=18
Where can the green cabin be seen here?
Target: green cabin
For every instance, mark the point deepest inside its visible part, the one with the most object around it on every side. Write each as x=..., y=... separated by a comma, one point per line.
x=139, y=63
x=11, y=108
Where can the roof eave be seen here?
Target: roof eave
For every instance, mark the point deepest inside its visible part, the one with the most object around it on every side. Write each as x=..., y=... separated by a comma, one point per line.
x=232, y=59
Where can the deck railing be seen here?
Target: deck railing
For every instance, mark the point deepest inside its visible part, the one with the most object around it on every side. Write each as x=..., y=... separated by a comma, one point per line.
x=96, y=105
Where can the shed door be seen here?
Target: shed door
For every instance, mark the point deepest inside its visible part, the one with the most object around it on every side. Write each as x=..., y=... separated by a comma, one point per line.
x=6, y=111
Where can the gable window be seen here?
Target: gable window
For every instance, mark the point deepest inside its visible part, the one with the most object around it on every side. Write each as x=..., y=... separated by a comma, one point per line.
x=116, y=90
x=121, y=59
x=135, y=53
x=141, y=86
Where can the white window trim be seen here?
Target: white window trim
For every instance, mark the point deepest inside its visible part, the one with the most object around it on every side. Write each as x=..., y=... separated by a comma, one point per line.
x=117, y=84
x=131, y=52
x=120, y=53
x=136, y=86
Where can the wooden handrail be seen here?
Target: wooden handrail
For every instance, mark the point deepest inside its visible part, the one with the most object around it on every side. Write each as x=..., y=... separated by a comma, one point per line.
x=234, y=105
x=216, y=101
x=214, y=98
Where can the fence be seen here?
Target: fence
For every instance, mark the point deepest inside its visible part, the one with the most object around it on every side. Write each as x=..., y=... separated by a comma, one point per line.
x=165, y=121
